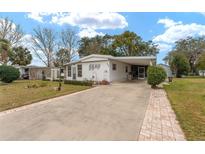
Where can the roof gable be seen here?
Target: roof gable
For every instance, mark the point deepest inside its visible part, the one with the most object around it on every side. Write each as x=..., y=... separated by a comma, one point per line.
x=90, y=59
x=126, y=59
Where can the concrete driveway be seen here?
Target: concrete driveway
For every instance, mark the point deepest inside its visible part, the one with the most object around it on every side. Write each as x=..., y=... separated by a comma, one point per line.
x=112, y=112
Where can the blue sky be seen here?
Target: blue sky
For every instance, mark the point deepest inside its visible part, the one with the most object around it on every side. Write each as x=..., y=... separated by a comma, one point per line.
x=162, y=28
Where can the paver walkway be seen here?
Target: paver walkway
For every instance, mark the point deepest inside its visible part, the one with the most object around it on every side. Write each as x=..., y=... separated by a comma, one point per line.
x=160, y=120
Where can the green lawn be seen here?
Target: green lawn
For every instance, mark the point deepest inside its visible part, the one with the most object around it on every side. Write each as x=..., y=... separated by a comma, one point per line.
x=18, y=94
x=187, y=97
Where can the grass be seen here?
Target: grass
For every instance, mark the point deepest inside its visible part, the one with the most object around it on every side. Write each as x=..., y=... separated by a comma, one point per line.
x=187, y=97
x=23, y=92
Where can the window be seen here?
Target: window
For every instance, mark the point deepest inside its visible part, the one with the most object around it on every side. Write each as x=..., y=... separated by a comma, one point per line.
x=61, y=70
x=79, y=70
x=126, y=69
x=114, y=67
x=69, y=71
x=94, y=66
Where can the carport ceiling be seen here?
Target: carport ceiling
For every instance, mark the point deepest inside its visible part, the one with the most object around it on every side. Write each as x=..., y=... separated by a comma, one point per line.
x=136, y=60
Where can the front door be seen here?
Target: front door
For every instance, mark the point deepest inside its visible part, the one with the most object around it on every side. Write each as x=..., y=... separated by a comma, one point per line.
x=74, y=73
x=141, y=72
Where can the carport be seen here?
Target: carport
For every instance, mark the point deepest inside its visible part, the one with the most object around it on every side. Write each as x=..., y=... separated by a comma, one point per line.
x=139, y=65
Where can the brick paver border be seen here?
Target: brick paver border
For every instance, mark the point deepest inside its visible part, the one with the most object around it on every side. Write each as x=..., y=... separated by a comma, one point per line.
x=160, y=122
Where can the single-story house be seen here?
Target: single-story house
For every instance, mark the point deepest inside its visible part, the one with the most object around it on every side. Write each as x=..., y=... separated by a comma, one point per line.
x=39, y=72
x=106, y=67
x=202, y=73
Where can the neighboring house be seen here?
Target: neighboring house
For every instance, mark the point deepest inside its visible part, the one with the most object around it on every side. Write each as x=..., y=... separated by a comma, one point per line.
x=167, y=69
x=202, y=73
x=109, y=68
x=56, y=73
x=38, y=72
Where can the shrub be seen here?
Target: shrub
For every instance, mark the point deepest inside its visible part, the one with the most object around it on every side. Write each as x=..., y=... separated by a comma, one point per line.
x=8, y=73
x=104, y=82
x=156, y=75
x=82, y=83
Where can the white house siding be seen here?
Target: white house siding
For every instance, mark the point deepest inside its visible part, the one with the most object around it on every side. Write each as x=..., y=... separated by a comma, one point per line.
x=95, y=59
x=55, y=74
x=21, y=71
x=95, y=74
x=119, y=74
x=202, y=73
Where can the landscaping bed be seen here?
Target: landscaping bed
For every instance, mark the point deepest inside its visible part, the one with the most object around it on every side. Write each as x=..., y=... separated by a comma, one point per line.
x=23, y=92
x=187, y=97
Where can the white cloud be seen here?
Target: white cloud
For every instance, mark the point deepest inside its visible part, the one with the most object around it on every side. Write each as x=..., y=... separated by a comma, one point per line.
x=202, y=13
x=89, y=32
x=39, y=16
x=36, y=16
x=26, y=41
x=168, y=22
x=175, y=31
x=98, y=20
x=87, y=23
x=164, y=47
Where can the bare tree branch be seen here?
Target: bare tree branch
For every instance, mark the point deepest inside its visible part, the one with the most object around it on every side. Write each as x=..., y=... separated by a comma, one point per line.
x=44, y=41
x=39, y=56
x=69, y=41
x=10, y=31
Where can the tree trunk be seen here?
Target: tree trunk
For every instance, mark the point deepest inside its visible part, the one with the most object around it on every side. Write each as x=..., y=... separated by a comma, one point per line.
x=178, y=75
x=153, y=86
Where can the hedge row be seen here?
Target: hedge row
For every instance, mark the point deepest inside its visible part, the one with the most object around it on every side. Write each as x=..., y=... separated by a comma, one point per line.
x=82, y=83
